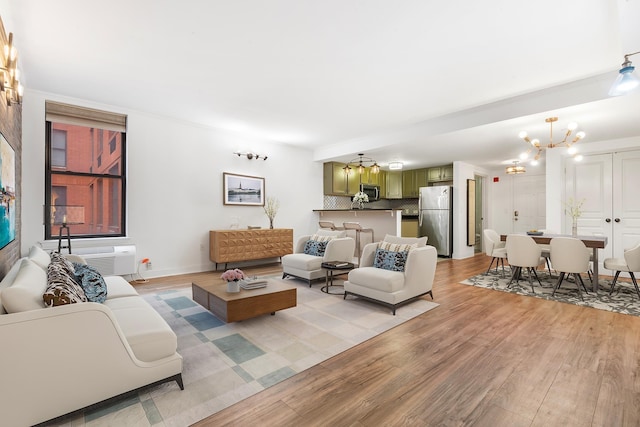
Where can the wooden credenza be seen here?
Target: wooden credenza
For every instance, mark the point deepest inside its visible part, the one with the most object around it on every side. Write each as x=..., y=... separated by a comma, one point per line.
x=243, y=245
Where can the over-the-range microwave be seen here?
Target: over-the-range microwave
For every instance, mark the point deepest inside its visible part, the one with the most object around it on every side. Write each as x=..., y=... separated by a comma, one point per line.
x=373, y=191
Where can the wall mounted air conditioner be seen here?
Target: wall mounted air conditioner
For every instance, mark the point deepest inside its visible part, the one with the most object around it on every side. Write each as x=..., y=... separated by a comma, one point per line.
x=110, y=260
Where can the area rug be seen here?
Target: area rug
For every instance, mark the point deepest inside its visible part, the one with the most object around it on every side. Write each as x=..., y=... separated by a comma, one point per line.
x=623, y=300
x=225, y=363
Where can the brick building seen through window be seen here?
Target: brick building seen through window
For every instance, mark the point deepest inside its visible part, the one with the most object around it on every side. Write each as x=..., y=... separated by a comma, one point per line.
x=86, y=183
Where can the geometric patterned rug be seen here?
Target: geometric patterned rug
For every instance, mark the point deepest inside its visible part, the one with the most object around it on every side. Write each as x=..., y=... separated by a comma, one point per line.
x=225, y=363
x=624, y=299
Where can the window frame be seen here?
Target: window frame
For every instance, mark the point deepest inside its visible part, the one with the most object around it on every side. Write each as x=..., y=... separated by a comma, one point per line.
x=52, y=171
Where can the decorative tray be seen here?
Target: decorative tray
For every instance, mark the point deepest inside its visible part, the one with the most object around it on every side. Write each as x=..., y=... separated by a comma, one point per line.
x=535, y=233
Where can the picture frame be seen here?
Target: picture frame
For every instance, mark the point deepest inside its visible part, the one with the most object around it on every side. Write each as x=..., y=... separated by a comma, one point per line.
x=242, y=190
x=471, y=212
x=7, y=193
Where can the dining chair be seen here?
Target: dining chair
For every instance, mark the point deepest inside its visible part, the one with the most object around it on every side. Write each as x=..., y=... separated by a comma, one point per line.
x=494, y=248
x=569, y=256
x=523, y=252
x=546, y=250
x=630, y=263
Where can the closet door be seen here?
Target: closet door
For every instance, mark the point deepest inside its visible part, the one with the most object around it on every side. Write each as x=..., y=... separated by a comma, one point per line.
x=591, y=180
x=626, y=200
x=610, y=185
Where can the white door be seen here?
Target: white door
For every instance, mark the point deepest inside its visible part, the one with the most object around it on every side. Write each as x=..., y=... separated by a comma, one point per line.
x=609, y=185
x=529, y=212
x=626, y=201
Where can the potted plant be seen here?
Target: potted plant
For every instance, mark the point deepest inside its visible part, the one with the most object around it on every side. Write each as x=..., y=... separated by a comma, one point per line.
x=271, y=209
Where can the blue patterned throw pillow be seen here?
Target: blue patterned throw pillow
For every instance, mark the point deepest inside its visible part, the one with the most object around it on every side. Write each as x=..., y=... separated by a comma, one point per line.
x=91, y=281
x=390, y=260
x=314, y=247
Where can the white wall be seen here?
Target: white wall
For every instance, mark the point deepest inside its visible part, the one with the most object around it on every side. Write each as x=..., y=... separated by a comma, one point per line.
x=461, y=172
x=174, y=186
x=501, y=201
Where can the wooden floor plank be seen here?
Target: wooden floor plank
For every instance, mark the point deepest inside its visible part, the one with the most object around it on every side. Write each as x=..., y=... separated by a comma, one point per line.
x=482, y=358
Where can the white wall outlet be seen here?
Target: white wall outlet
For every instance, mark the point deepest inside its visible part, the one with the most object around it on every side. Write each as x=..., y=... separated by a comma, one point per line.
x=149, y=266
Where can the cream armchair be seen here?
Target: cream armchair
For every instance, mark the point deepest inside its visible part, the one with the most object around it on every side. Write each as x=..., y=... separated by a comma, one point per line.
x=309, y=267
x=393, y=288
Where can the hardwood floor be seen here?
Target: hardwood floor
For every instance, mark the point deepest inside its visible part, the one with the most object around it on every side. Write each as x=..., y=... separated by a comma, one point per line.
x=482, y=358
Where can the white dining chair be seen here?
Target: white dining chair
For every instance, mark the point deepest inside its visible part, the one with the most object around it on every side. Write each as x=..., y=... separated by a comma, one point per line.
x=523, y=253
x=630, y=263
x=569, y=256
x=494, y=248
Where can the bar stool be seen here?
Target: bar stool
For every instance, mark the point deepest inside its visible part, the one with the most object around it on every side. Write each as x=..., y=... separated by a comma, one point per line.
x=329, y=224
x=358, y=229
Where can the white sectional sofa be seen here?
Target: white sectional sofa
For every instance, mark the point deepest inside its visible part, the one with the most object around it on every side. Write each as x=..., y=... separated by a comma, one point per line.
x=56, y=360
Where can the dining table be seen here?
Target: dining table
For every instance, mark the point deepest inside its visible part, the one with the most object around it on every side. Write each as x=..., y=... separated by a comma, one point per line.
x=592, y=242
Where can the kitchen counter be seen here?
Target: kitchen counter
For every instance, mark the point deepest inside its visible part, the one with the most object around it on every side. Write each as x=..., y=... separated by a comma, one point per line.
x=358, y=210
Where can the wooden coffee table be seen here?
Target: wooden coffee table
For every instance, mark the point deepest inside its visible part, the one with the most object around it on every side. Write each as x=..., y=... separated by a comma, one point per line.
x=232, y=307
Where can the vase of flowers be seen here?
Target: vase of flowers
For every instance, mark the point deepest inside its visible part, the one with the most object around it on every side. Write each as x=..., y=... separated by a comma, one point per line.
x=271, y=209
x=359, y=199
x=233, y=278
x=574, y=208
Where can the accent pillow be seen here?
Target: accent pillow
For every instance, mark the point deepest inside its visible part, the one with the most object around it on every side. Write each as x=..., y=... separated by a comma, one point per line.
x=315, y=247
x=390, y=260
x=397, y=247
x=58, y=258
x=92, y=282
x=39, y=256
x=61, y=286
x=421, y=241
x=332, y=233
x=321, y=237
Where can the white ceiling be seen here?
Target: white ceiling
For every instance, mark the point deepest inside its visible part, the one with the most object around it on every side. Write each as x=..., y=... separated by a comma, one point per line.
x=418, y=81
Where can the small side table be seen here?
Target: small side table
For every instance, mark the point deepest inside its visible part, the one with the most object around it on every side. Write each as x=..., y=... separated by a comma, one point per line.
x=334, y=268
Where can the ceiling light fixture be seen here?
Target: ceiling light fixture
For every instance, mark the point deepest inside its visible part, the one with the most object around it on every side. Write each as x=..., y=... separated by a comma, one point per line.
x=536, y=145
x=360, y=163
x=626, y=81
x=395, y=166
x=251, y=156
x=9, y=80
x=515, y=169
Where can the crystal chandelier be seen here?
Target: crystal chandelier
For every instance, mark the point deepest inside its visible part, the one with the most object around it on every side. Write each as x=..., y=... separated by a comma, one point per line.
x=537, y=146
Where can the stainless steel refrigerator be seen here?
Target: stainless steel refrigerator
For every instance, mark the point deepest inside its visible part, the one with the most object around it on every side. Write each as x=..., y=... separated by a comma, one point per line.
x=436, y=217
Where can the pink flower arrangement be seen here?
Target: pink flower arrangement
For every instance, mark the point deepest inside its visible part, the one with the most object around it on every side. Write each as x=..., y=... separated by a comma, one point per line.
x=233, y=275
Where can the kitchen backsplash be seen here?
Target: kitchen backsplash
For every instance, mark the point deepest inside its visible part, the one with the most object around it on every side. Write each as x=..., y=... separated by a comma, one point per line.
x=408, y=206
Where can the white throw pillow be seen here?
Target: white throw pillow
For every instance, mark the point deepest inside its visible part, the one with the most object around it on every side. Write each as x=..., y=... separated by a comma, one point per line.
x=39, y=256
x=25, y=293
x=333, y=233
x=421, y=241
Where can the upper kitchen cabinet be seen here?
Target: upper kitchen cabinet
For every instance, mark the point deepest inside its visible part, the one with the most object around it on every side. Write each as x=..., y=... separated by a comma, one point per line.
x=369, y=177
x=382, y=182
x=412, y=180
x=337, y=182
x=394, y=185
x=441, y=173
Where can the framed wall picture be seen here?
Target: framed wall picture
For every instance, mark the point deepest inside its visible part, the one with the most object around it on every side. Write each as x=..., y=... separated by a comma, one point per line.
x=7, y=193
x=243, y=190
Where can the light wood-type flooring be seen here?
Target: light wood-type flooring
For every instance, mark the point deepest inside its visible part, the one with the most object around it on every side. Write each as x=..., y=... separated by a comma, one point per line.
x=482, y=358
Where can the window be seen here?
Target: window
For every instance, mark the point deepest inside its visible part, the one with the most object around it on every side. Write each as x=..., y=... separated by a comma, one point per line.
x=85, y=185
x=58, y=148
